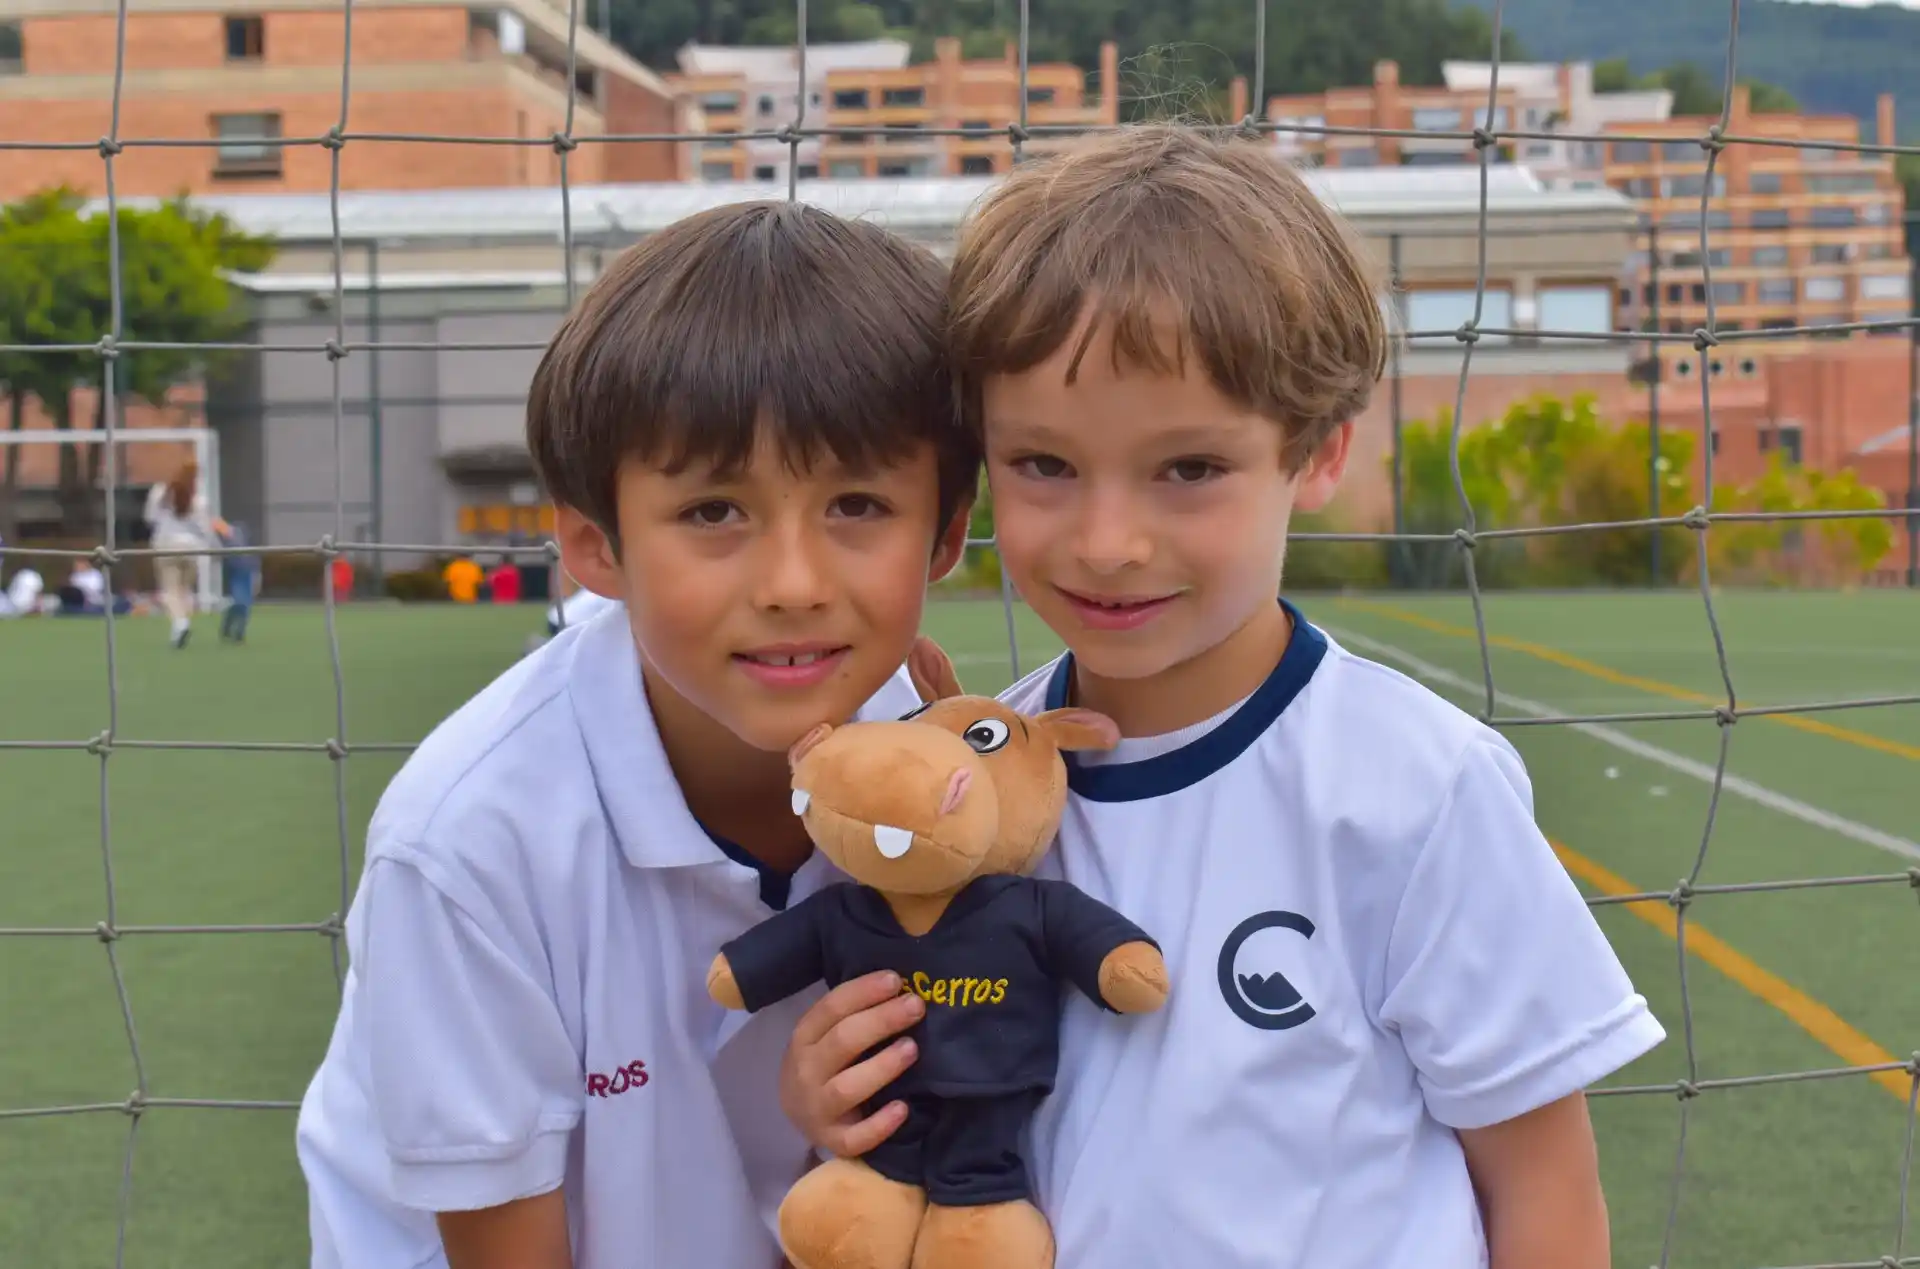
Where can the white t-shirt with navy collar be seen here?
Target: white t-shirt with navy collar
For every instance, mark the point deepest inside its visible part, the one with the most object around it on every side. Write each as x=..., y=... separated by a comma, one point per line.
x=1371, y=945
x=527, y=1000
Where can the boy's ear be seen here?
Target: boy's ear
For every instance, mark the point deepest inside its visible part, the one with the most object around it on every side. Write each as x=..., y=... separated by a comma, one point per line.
x=952, y=543
x=931, y=671
x=587, y=554
x=1320, y=477
x=1075, y=728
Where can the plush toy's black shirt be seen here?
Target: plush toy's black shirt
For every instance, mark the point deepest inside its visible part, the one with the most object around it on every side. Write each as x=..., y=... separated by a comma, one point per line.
x=989, y=969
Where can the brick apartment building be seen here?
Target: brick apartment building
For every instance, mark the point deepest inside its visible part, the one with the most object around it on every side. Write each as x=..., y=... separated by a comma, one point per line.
x=1799, y=237
x=239, y=75
x=870, y=84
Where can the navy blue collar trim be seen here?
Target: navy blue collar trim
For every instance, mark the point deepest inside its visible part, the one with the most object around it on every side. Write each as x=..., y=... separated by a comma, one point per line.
x=776, y=887
x=1188, y=765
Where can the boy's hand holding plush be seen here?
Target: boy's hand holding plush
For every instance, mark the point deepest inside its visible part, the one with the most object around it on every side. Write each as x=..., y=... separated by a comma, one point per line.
x=940, y=817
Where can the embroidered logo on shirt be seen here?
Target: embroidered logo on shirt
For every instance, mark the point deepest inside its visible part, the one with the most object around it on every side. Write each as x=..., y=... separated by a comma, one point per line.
x=632, y=1075
x=958, y=992
x=1266, y=1000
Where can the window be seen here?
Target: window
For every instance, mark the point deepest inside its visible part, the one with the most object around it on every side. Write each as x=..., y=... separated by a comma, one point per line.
x=809, y=171
x=1823, y=290
x=1039, y=96
x=1769, y=256
x=850, y=99
x=246, y=39
x=1499, y=118
x=1435, y=119
x=716, y=145
x=1831, y=252
x=1356, y=157
x=976, y=165
x=720, y=101
x=1788, y=442
x=847, y=170
x=764, y=172
x=1446, y=310
x=976, y=125
x=899, y=132
x=1777, y=323
x=765, y=105
x=1774, y=291
x=1631, y=151
x=1884, y=286
x=12, y=49
x=1851, y=183
x=716, y=171
x=1875, y=214
x=1690, y=186
x=1682, y=152
x=1675, y=293
x=903, y=97
x=245, y=145
x=1768, y=218
x=1575, y=308
x=850, y=138
x=1764, y=183
x=1434, y=158
x=1831, y=217
x=1729, y=292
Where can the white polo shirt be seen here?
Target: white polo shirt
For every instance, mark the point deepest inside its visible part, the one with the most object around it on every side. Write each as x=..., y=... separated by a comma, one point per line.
x=527, y=999
x=1370, y=944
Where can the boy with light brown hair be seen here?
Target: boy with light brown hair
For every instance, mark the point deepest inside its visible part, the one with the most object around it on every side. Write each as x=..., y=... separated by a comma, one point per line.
x=1388, y=996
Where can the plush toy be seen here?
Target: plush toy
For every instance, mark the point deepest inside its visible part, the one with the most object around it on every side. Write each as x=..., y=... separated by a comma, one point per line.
x=939, y=818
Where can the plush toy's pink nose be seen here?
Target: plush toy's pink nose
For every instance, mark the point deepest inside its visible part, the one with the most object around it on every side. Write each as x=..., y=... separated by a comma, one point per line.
x=956, y=789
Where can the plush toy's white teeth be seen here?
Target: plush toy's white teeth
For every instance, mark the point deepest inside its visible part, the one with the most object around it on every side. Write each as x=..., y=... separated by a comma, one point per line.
x=800, y=799
x=893, y=842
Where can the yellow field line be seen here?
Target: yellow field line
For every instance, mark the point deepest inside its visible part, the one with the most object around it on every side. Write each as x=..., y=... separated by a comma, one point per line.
x=1606, y=674
x=1818, y=1021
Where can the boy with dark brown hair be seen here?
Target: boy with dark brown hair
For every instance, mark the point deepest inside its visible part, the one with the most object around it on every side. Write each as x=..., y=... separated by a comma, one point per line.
x=1388, y=996
x=748, y=430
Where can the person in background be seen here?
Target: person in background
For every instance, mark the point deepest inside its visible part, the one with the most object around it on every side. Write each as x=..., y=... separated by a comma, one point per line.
x=504, y=581
x=91, y=584
x=177, y=513
x=463, y=580
x=22, y=596
x=242, y=581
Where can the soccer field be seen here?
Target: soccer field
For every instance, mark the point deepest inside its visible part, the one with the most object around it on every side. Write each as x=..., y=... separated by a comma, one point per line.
x=1798, y=1172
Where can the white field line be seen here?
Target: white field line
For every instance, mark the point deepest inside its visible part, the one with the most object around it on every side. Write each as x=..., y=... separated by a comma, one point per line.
x=1737, y=785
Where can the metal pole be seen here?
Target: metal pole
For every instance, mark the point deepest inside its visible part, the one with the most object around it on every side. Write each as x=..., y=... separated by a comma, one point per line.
x=376, y=445
x=1654, y=376
x=1396, y=556
x=1913, y=420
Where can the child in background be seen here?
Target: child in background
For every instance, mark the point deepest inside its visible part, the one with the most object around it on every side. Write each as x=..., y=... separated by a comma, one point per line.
x=504, y=582
x=243, y=579
x=1388, y=996
x=463, y=578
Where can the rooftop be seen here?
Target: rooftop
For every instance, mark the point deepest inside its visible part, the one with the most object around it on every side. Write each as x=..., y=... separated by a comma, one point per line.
x=759, y=62
x=908, y=204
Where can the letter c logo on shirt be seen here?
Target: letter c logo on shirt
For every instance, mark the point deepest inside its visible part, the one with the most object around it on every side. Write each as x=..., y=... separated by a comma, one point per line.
x=1264, y=1000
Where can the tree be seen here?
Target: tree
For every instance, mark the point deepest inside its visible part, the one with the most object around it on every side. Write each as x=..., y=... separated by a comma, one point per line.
x=1548, y=463
x=1695, y=91
x=55, y=289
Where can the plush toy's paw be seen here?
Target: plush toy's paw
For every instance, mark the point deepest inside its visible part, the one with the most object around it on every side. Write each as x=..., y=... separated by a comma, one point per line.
x=1000, y=1235
x=721, y=986
x=844, y=1215
x=1133, y=978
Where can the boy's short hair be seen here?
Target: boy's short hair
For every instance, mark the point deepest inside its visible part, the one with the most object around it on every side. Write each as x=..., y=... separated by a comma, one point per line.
x=760, y=314
x=1182, y=243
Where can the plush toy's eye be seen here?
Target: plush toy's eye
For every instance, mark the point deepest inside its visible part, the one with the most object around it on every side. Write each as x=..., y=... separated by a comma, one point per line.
x=916, y=711
x=986, y=735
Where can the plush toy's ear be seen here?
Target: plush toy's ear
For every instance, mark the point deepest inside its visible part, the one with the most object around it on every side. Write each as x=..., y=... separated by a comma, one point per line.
x=806, y=742
x=931, y=671
x=1079, y=729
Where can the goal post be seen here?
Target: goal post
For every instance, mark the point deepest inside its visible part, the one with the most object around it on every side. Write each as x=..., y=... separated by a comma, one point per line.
x=205, y=443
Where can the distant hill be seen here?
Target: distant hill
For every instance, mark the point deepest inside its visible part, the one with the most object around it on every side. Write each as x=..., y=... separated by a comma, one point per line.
x=1832, y=58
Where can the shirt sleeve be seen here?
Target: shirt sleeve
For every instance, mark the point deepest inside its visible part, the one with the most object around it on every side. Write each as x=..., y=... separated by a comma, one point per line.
x=474, y=1080
x=1079, y=931
x=1499, y=981
x=780, y=956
